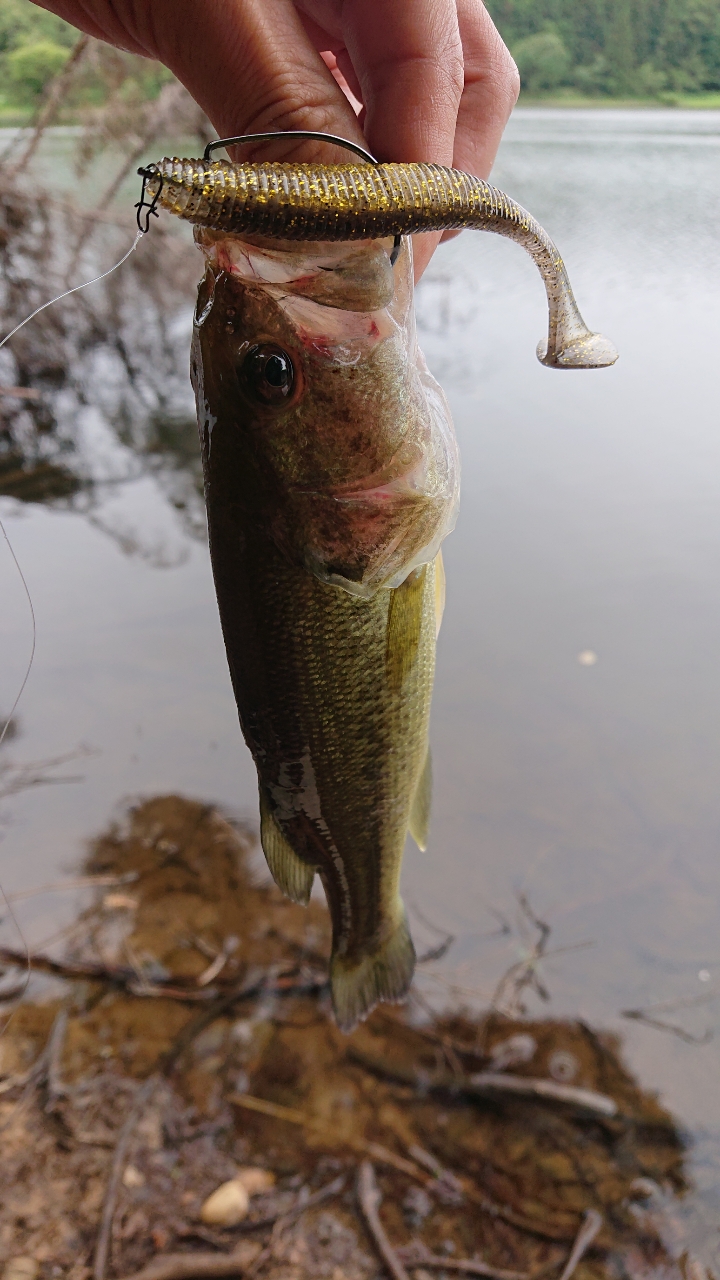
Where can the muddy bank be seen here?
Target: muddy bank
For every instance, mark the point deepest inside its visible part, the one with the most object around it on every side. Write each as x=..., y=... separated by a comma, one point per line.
x=185, y=1032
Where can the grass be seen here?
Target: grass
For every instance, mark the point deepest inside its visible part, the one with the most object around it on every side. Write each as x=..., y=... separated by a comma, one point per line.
x=569, y=98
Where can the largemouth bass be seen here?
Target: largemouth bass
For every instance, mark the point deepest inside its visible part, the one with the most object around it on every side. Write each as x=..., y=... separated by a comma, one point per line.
x=331, y=476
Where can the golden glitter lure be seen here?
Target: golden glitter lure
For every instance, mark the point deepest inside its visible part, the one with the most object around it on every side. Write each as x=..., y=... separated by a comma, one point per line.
x=331, y=480
x=370, y=201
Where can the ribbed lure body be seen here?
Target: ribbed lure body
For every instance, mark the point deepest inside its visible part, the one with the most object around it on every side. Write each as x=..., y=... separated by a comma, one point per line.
x=360, y=202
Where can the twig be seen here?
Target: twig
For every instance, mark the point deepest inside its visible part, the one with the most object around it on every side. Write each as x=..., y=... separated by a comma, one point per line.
x=172, y=988
x=666, y=1006
x=583, y=1240
x=113, y=1188
x=20, y=393
x=55, y=1086
x=382, y=1154
x=58, y=90
x=506, y=998
x=187, y=1266
x=80, y=882
x=638, y=1016
x=416, y=1255
x=285, y=1220
x=369, y=1201
x=490, y=1084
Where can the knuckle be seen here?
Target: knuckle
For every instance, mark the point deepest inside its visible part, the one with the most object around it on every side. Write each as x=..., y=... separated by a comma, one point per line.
x=502, y=76
x=288, y=104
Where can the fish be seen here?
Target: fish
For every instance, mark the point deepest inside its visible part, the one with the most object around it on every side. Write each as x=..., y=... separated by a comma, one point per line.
x=331, y=480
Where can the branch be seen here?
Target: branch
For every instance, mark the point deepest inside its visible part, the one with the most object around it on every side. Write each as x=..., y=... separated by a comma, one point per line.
x=369, y=1201
x=490, y=1084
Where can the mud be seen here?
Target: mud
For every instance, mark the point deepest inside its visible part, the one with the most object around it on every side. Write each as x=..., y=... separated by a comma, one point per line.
x=191, y=980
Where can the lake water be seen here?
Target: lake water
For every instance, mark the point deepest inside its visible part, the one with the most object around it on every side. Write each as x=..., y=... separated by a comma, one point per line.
x=590, y=525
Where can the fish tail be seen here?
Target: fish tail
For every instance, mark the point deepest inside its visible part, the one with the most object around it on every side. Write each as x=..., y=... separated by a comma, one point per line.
x=385, y=973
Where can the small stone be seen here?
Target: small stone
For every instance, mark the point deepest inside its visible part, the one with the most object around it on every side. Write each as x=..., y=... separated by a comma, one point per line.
x=256, y=1181
x=227, y=1205
x=132, y=1177
x=21, y=1269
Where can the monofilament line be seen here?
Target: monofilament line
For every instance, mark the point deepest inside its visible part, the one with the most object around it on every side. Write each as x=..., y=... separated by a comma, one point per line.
x=75, y=289
x=7, y=338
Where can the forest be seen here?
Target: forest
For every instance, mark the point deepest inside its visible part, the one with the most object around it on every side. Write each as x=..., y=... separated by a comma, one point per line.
x=613, y=48
x=645, y=49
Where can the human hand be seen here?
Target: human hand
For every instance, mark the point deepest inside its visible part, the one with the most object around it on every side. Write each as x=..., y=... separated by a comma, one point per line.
x=435, y=81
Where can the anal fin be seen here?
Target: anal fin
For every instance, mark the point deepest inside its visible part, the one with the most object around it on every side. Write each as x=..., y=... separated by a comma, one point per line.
x=289, y=872
x=419, y=823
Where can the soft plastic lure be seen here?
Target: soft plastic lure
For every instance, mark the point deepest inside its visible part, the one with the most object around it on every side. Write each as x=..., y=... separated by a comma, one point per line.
x=323, y=202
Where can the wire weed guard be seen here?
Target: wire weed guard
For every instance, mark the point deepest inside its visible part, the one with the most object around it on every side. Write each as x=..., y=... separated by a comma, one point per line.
x=244, y=138
x=147, y=209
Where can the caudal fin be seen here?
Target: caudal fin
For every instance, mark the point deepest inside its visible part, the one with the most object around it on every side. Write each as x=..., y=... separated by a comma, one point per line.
x=383, y=974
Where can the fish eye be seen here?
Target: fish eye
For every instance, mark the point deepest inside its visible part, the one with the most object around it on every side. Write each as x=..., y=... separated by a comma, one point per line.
x=268, y=373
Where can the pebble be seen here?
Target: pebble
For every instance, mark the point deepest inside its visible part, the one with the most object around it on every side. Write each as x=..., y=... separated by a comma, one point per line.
x=227, y=1205
x=132, y=1177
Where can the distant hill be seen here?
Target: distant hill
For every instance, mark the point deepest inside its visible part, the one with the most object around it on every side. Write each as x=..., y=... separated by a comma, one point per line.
x=618, y=48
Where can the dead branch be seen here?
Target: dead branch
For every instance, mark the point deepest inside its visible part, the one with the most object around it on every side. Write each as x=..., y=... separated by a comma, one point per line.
x=583, y=1240
x=506, y=998
x=416, y=1255
x=490, y=1084
x=57, y=92
x=114, y=1182
x=172, y=988
x=382, y=1155
x=369, y=1201
x=79, y=882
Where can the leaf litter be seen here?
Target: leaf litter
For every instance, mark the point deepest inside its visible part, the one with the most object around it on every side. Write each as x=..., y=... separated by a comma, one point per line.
x=183, y=1037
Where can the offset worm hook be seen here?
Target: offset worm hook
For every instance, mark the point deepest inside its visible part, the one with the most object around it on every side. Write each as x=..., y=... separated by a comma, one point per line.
x=293, y=133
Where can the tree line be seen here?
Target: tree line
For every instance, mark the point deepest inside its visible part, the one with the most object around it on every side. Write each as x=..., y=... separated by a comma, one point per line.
x=617, y=48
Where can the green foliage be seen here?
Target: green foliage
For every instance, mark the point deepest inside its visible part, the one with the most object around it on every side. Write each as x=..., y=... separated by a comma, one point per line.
x=542, y=60
x=31, y=66
x=23, y=23
x=639, y=48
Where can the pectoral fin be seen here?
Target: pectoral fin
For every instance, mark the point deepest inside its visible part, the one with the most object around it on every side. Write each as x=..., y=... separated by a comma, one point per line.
x=289, y=872
x=439, y=592
x=419, y=823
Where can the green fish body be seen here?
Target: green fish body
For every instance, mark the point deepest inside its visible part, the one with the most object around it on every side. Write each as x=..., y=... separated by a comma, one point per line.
x=331, y=477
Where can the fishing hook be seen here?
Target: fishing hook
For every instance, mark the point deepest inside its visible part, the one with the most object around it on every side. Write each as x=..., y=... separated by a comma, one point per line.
x=293, y=133
x=149, y=207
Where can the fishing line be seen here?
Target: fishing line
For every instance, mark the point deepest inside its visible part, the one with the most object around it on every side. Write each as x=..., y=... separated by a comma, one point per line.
x=36, y=312
x=3, y=530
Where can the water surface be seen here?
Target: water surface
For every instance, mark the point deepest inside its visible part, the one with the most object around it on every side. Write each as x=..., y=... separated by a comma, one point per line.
x=590, y=524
